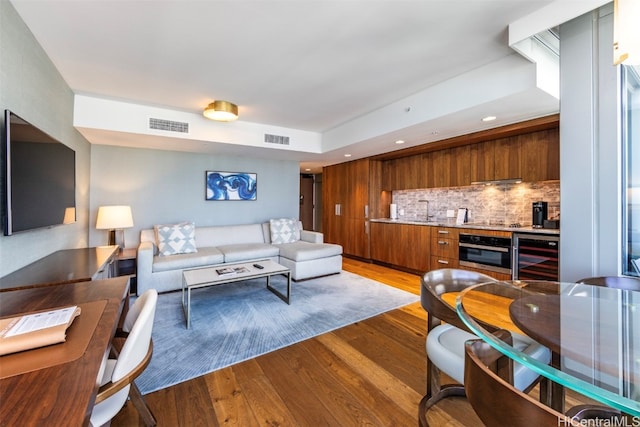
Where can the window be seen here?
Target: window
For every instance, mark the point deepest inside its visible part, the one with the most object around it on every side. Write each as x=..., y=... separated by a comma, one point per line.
x=630, y=115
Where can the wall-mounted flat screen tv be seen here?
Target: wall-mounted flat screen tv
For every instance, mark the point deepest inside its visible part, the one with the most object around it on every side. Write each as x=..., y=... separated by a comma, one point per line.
x=39, y=178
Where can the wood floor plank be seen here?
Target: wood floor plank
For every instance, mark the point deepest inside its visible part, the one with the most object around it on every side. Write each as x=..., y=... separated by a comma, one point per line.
x=300, y=398
x=359, y=386
x=404, y=396
x=335, y=396
x=403, y=361
x=265, y=403
x=199, y=411
x=230, y=400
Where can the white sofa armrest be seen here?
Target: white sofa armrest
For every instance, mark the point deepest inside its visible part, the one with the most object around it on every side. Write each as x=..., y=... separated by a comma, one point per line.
x=311, y=236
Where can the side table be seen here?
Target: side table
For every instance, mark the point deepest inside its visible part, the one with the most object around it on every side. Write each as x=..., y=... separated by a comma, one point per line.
x=127, y=266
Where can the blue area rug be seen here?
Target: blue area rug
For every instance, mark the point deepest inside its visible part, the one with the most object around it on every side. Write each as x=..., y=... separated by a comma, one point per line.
x=236, y=322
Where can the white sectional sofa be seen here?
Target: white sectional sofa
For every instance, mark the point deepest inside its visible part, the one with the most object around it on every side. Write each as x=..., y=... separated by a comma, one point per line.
x=306, y=258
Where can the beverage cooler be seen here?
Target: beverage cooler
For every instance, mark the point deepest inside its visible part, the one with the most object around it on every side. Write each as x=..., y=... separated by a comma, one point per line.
x=535, y=256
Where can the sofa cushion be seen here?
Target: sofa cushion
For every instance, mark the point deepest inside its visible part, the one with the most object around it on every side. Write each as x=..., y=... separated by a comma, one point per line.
x=176, y=238
x=246, y=251
x=284, y=230
x=204, y=256
x=305, y=251
x=221, y=235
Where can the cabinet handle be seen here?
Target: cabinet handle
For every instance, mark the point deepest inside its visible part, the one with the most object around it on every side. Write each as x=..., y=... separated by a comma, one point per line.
x=443, y=232
x=442, y=242
x=441, y=261
x=366, y=227
x=338, y=209
x=366, y=211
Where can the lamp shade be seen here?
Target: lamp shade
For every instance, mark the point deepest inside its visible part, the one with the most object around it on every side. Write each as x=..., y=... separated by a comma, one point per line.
x=69, y=215
x=222, y=111
x=114, y=217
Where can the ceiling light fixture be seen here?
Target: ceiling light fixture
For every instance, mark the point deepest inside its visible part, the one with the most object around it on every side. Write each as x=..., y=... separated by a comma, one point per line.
x=489, y=118
x=347, y=155
x=221, y=111
x=399, y=141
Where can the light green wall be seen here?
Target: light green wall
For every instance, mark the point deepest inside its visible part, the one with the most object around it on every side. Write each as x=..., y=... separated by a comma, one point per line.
x=168, y=186
x=31, y=87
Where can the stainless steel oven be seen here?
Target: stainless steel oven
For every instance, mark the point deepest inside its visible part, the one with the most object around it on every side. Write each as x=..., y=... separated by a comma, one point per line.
x=485, y=252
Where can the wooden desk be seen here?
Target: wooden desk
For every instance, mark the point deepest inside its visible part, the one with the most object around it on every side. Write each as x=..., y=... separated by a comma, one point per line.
x=62, y=394
x=65, y=266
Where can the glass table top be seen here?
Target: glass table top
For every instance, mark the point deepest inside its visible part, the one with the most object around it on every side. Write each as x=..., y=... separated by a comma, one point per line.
x=595, y=331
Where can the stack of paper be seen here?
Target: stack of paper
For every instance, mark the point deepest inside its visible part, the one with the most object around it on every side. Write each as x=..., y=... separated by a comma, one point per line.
x=35, y=330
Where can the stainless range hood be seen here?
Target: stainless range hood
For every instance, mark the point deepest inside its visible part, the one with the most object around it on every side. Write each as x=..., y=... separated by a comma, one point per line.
x=498, y=181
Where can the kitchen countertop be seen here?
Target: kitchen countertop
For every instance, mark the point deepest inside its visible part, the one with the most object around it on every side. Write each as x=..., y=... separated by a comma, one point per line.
x=522, y=229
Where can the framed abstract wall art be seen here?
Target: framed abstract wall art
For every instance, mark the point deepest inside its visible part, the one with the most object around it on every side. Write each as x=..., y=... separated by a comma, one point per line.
x=231, y=186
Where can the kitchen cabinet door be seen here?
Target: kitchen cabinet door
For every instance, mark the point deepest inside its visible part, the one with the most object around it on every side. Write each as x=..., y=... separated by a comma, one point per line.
x=401, y=245
x=481, y=161
x=440, y=169
x=415, y=241
x=459, y=173
x=331, y=199
x=541, y=155
x=346, y=204
x=507, y=158
x=382, y=235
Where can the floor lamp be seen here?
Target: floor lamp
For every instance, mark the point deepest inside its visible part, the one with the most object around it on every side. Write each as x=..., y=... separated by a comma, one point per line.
x=115, y=219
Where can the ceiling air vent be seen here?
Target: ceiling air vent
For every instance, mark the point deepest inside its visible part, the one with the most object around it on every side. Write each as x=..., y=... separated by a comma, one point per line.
x=168, y=125
x=276, y=139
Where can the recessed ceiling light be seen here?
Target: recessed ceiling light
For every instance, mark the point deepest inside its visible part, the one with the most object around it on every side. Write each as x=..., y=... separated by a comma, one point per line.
x=399, y=141
x=347, y=155
x=308, y=169
x=489, y=118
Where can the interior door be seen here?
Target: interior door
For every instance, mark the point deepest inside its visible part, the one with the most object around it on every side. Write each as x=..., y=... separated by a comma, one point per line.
x=306, y=201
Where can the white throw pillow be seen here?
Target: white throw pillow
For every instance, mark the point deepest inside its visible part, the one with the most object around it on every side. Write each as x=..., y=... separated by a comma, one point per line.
x=176, y=238
x=284, y=230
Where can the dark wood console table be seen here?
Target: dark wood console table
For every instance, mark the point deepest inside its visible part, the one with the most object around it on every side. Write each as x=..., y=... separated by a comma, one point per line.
x=64, y=266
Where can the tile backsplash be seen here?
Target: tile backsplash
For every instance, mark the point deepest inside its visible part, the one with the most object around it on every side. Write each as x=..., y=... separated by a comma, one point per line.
x=498, y=204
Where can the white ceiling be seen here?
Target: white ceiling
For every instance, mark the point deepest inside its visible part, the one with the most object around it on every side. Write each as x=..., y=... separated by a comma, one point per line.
x=311, y=65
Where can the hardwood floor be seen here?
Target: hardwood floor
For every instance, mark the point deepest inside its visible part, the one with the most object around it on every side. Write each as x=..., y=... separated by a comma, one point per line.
x=369, y=373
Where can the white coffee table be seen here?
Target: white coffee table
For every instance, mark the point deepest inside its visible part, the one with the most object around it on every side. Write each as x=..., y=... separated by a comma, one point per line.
x=214, y=275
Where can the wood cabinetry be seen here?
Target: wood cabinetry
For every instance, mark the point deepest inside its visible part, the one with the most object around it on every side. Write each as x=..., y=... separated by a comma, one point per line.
x=533, y=156
x=401, y=245
x=444, y=247
x=350, y=196
x=407, y=172
x=541, y=156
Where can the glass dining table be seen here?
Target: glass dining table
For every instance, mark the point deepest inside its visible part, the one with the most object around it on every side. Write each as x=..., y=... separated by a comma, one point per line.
x=593, y=333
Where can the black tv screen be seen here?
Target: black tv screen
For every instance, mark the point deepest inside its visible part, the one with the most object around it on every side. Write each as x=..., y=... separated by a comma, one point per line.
x=40, y=178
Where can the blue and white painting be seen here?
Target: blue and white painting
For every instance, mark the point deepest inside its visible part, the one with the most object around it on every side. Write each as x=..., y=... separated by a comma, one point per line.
x=231, y=186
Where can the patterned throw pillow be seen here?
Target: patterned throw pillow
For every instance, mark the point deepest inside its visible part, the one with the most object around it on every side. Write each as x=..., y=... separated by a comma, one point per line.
x=176, y=238
x=284, y=230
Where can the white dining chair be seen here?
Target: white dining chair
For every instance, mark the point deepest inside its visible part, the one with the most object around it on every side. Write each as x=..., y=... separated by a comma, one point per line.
x=117, y=381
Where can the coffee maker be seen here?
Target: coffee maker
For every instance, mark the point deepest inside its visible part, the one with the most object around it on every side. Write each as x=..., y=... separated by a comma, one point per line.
x=539, y=214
